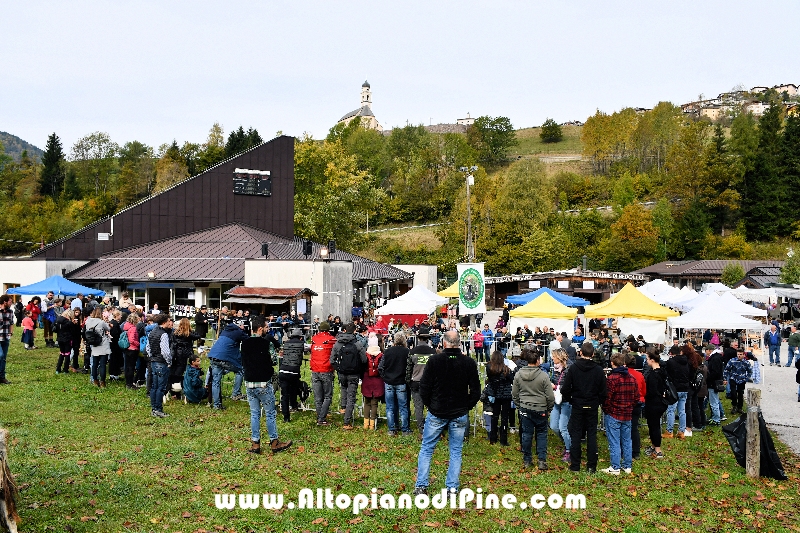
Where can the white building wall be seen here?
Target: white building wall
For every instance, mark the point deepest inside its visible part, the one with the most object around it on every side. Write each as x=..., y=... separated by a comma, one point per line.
x=331, y=280
x=424, y=275
x=21, y=272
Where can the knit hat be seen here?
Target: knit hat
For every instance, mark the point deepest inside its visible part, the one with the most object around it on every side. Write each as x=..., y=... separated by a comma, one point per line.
x=372, y=344
x=324, y=326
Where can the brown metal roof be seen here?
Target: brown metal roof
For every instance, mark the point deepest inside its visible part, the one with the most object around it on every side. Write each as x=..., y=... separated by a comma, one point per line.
x=216, y=254
x=706, y=267
x=268, y=292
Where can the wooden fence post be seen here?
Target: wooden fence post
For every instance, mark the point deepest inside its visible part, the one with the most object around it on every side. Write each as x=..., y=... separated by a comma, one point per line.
x=753, y=450
x=8, y=490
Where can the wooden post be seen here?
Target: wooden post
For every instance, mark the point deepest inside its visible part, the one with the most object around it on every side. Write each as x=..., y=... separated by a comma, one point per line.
x=8, y=489
x=753, y=450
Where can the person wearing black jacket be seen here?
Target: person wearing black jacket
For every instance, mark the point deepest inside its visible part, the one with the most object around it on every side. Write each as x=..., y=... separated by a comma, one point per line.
x=680, y=374
x=201, y=325
x=392, y=369
x=653, y=403
x=258, y=372
x=584, y=388
x=64, y=328
x=500, y=378
x=450, y=387
x=289, y=372
x=715, y=368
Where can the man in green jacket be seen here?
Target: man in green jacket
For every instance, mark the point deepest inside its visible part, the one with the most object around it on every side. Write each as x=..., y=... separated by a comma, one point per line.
x=532, y=392
x=794, y=346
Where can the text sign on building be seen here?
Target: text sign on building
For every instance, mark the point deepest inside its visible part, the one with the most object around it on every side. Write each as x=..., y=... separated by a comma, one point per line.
x=252, y=182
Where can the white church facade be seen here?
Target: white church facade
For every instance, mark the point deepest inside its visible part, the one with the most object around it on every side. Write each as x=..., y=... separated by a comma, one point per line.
x=364, y=112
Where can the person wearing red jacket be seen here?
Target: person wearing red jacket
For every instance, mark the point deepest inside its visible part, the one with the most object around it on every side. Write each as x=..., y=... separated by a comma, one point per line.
x=322, y=371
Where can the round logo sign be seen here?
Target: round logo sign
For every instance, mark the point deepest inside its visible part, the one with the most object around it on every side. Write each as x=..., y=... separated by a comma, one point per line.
x=470, y=288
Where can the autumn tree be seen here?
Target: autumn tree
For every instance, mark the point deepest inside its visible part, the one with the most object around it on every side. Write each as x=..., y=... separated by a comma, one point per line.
x=213, y=150
x=94, y=160
x=732, y=273
x=633, y=241
x=492, y=138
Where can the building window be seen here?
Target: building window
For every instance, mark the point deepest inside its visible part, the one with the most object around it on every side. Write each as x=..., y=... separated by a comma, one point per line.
x=15, y=297
x=213, y=297
x=138, y=296
x=184, y=296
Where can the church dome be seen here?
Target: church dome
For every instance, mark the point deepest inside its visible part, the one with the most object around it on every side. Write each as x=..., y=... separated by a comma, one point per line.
x=365, y=84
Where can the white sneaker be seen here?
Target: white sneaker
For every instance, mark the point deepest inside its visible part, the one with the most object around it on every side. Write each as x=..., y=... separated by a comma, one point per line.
x=687, y=432
x=627, y=470
x=611, y=470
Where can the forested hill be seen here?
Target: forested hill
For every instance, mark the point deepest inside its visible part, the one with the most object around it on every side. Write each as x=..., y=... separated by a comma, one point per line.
x=14, y=146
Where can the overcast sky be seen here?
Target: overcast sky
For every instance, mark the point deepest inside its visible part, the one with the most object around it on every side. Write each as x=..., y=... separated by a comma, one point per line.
x=163, y=70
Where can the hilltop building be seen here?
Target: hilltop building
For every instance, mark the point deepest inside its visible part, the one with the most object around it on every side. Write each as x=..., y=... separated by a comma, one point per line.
x=364, y=111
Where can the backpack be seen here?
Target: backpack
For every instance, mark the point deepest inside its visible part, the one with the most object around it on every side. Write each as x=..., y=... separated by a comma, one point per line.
x=670, y=392
x=92, y=337
x=372, y=364
x=123, y=341
x=304, y=391
x=348, y=359
x=697, y=382
x=143, y=343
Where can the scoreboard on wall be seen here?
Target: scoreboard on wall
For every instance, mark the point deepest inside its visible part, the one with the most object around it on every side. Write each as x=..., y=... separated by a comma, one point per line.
x=252, y=182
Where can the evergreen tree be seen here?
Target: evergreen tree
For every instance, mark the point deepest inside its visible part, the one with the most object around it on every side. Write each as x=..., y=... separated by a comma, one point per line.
x=764, y=193
x=51, y=180
x=240, y=141
x=790, y=160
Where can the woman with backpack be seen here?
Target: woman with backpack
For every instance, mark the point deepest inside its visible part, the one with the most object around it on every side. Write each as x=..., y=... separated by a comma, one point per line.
x=132, y=351
x=115, y=361
x=76, y=332
x=372, y=386
x=98, y=337
x=183, y=340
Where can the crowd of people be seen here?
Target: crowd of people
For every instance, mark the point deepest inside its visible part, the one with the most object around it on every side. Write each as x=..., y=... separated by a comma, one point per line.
x=552, y=382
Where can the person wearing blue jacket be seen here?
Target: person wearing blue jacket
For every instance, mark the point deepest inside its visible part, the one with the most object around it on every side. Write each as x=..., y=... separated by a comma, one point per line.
x=737, y=372
x=225, y=357
x=193, y=389
x=488, y=340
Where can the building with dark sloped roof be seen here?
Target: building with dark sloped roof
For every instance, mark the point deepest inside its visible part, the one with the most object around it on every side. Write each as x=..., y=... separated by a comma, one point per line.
x=695, y=273
x=364, y=111
x=186, y=246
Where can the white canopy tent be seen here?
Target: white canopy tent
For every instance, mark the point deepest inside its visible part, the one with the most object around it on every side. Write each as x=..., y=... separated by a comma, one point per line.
x=659, y=291
x=755, y=295
x=730, y=303
x=417, y=301
x=713, y=317
x=701, y=299
x=684, y=295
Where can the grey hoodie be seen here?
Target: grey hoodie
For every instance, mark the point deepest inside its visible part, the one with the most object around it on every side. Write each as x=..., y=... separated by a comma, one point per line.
x=532, y=389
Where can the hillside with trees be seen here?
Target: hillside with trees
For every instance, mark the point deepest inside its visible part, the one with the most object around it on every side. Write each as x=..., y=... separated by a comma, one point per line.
x=675, y=188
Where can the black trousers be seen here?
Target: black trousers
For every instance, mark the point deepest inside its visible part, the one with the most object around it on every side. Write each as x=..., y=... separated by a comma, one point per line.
x=65, y=349
x=76, y=350
x=583, y=420
x=131, y=356
x=502, y=410
x=653, y=417
x=636, y=438
x=737, y=395
x=290, y=388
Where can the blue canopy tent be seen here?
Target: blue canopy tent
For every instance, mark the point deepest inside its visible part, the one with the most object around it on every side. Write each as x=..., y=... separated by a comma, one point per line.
x=58, y=285
x=570, y=301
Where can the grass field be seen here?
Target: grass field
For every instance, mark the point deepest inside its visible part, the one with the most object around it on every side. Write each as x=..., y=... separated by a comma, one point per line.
x=87, y=459
x=531, y=144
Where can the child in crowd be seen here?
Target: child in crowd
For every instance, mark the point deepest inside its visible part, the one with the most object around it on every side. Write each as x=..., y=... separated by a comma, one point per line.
x=193, y=389
x=27, y=331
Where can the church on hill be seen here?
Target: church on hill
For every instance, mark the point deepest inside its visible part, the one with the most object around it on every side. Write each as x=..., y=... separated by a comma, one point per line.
x=364, y=112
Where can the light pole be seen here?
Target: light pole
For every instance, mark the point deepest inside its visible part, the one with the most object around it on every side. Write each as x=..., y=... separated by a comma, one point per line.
x=470, y=181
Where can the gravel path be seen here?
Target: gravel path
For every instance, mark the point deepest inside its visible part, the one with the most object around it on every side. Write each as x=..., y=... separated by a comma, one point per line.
x=779, y=403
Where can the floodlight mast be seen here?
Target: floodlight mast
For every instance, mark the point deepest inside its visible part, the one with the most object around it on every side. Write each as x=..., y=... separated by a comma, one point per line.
x=470, y=246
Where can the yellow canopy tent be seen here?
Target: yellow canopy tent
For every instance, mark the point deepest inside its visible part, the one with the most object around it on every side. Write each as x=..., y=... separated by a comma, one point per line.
x=630, y=303
x=544, y=306
x=450, y=292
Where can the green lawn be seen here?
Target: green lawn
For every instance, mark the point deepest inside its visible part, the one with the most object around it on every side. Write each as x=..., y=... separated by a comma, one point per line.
x=95, y=460
x=531, y=144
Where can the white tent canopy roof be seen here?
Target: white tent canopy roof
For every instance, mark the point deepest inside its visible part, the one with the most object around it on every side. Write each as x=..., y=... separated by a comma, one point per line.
x=755, y=295
x=417, y=301
x=734, y=305
x=713, y=317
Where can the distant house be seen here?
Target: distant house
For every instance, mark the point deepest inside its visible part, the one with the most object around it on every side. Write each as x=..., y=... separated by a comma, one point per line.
x=712, y=112
x=695, y=273
x=756, y=109
x=788, y=88
x=469, y=121
x=759, y=89
x=760, y=277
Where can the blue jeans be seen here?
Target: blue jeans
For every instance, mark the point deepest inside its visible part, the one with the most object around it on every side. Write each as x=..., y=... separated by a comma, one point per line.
x=434, y=427
x=218, y=371
x=713, y=400
x=533, y=422
x=3, y=354
x=238, y=378
x=775, y=349
x=793, y=352
x=99, y=367
x=262, y=398
x=159, y=373
x=396, y=404
x=618, y=433
x=681, y=406
x=559, y=418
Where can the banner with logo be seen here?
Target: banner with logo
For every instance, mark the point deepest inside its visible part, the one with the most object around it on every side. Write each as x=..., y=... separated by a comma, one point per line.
x=471, y=289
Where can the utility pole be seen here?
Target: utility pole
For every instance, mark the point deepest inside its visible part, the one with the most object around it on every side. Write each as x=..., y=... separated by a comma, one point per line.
x=470, y=247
